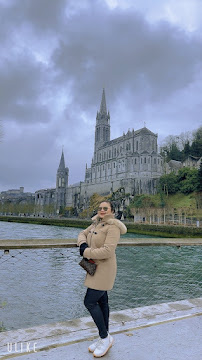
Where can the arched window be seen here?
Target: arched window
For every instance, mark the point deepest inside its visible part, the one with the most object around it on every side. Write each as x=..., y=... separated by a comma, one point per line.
x=128, y=147
x=137, y=145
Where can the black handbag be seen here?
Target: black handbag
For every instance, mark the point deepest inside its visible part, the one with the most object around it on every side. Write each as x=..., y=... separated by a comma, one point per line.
x=88, y=265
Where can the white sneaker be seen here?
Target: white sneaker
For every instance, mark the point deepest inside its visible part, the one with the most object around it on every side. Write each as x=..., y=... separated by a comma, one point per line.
x=93, y=346
x=103, y=346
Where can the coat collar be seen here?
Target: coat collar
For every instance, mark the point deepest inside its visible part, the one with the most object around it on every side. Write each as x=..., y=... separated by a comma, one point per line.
x=109, y=219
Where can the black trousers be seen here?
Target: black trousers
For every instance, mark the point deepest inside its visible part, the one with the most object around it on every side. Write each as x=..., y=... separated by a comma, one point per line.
x=96, y=301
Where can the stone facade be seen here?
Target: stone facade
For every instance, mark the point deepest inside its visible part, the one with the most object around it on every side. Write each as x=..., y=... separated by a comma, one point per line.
x=15, y=196
x=130, y=161
x=54, y=199
x=191, y=162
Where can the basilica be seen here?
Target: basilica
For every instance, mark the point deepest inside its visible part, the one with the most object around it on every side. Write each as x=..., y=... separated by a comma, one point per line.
x=131, y=162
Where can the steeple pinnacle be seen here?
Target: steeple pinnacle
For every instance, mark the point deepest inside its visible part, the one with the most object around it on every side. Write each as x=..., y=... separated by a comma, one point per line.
x=62, y=162
x=102, y=128
x=103, y=107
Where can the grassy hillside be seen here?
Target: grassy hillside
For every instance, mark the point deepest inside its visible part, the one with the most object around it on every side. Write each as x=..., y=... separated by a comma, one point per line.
x=180, y=200
x=188, y=203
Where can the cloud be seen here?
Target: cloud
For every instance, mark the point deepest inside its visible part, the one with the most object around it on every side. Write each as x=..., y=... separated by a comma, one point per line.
x=56, y=56
x=128, y=52
x=21, y=90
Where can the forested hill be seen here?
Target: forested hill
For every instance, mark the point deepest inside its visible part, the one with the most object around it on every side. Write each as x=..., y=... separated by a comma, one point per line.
x=180, y=147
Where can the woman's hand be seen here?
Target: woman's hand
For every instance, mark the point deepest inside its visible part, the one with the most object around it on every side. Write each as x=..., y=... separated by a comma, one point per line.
x=82, y=248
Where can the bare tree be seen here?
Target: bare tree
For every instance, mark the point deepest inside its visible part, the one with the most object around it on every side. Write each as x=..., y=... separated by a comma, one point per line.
x=184, y=138
x=179, y=140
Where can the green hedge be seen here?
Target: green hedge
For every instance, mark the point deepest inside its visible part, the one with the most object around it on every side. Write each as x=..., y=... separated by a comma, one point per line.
x=45, y=221
x=165, y=230
x=145, y=229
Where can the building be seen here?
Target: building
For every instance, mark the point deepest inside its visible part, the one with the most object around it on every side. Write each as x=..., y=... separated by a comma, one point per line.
x=130, y=161
x=193, y=162
x=9, y=198
x=173, y=166
x=52, y=200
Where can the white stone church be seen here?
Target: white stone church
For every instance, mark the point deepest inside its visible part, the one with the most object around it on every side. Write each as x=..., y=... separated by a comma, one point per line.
x=130, y=161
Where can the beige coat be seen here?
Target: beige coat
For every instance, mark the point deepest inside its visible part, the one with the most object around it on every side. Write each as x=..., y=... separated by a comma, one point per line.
x=102, y=238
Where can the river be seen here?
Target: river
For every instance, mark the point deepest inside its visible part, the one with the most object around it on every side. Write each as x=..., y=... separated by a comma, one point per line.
x=39, y=286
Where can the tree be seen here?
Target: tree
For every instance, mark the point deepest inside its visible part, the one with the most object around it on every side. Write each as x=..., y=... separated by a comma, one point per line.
x=186, y=151
x=188, y=180
x=171, y=152
x=179, y=147
x=199, y=183
x=196, y=147
x=168, y=183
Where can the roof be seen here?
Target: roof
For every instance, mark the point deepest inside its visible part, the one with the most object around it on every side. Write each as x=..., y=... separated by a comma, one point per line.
x=175, y=164
x=145, y=131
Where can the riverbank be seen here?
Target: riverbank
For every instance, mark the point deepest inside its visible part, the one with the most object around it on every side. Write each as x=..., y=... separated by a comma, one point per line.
x=175, y=231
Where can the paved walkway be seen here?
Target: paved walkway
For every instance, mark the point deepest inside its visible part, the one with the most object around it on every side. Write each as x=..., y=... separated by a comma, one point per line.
x=170, y=331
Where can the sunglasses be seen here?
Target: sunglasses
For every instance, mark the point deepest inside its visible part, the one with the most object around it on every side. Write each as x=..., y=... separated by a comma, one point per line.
x=104, y=208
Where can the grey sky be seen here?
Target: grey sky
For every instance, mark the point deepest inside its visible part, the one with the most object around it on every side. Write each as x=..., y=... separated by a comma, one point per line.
x=57, y=55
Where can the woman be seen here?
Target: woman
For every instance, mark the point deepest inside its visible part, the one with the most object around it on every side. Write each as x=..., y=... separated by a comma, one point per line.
x=98, y=242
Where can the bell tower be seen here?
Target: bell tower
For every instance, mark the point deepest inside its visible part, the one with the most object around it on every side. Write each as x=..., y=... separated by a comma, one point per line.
x=102, y=127
x=61, y=184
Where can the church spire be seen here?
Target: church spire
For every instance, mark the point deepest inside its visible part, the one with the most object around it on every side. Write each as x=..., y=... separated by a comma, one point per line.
x=102, y=127
x=103, y=107
x=62, y=162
